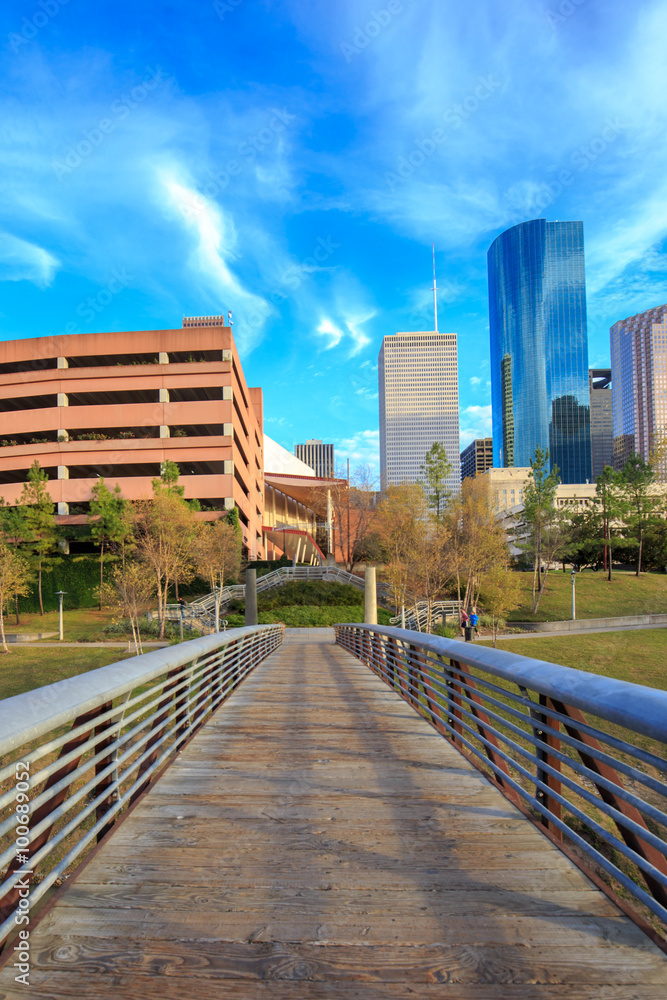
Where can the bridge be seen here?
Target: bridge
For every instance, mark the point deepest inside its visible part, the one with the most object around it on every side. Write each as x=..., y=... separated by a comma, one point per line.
x=366, y=814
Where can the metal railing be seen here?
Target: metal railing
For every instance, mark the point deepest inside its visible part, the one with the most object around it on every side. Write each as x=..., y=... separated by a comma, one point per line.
x=74, y=754
x=417, y=616
x=596, y=780
x=203, y=608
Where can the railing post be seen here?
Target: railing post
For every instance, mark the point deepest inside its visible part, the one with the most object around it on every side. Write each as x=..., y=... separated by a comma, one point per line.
x=633, y=841
x=550, y=742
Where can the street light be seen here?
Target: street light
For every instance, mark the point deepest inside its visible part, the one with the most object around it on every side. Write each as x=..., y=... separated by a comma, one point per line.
x=61, y=594
x=574, y=576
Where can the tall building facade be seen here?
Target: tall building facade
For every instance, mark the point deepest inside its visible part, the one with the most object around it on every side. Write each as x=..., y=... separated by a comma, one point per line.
x=602, y=436
x=318, y=456
x=119, y=405
x=639, y=385
x=477, y=458
x=539, y=347
x=419, y=404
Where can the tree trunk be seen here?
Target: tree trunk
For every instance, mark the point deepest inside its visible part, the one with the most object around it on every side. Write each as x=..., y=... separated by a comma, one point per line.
x=5, y=647
x=639, y=551
x=16, y=607
x=41, y=605
x=101, y=571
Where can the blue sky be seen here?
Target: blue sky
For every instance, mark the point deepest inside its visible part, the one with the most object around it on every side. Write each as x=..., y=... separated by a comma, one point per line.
x=294, y=160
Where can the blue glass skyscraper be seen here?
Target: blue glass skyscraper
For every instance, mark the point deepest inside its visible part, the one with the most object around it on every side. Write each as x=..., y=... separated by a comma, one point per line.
x=539, y=347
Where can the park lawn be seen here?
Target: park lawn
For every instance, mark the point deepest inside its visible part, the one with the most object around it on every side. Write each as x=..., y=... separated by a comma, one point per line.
x=639, y=657
x=27, y=668
x=596, y=597
x=85, y=624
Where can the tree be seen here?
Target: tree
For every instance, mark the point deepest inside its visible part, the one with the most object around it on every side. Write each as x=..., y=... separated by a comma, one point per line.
x=218, y=556
x=165, y=531
x=477, y=541
x=635, y=482
x=539, y=512
x=435, y=472
x=609, y=503
x=401, y=518
x=36, y=511
x=501, y=592
x=131, y=589
x=351, y=507
x=13, y=529
x=14, y=579
x=108, y=520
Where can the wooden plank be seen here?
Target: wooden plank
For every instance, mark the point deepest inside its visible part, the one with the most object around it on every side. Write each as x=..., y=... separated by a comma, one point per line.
x=318, y=839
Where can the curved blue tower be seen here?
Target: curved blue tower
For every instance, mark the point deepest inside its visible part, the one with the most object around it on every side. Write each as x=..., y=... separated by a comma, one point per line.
x=539, y=347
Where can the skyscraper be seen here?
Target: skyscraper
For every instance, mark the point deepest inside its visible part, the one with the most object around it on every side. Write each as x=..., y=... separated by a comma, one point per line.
x=639, y=385
x=320, y=457
x=477, y=458
x=602, y=436
x=539, y=347
x=419, y=404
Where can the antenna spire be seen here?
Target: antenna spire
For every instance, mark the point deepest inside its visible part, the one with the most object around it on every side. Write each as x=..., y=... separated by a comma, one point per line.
x=435, y=291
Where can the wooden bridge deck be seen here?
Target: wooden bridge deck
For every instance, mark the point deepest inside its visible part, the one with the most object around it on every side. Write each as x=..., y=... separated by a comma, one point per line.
x=317, y=839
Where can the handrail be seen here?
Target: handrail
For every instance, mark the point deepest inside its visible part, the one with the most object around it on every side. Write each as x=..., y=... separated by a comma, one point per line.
x=522, y=722
x=418, y=614
x=74, y=754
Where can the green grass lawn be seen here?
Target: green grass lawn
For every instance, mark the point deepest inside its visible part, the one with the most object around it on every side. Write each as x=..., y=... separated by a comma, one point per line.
x=596, y=597
x=640, y=657
x=85, y=624
x=25, y=669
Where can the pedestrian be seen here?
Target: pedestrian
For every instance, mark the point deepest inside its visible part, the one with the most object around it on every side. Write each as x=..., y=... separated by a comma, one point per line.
x=464, y=621
x=474, y=618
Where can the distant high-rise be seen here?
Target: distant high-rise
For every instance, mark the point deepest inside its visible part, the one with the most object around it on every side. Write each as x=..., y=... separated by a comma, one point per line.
x=320, y=457
x=419, y=404
x=539, y=348
x=477, y=458
x=602, y=437
x=639, y=385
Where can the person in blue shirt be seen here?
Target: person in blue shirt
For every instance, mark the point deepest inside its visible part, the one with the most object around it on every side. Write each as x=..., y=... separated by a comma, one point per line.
x=474, y=618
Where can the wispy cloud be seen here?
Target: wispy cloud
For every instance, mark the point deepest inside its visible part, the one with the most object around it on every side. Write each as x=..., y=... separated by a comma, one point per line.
x=362, y=448
x=23, y=261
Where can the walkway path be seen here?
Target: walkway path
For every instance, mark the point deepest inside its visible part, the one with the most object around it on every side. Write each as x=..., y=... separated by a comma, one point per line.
x=318, y=839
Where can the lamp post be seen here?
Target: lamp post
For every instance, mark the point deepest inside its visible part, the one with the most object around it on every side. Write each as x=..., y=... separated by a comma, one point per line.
x=61, y=594
x=573, y=576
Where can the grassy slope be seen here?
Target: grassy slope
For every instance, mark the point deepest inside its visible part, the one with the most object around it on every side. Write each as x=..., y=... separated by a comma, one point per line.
x=595, y=596
x=640, y=657
x=25, y=669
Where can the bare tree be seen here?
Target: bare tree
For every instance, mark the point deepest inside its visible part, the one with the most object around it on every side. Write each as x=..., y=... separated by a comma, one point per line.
x=131, y=589
x=165, y=529
x=14, y=579
x=218, y=556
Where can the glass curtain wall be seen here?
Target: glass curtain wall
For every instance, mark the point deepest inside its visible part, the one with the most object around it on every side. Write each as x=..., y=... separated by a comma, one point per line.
x=539, y=347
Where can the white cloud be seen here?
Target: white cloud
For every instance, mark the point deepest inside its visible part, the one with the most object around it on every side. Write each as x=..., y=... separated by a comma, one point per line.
x=475, y=380
x=363, y=448
x=330, y=330
x=475, y=422
x=215, y=237
x=23, y=261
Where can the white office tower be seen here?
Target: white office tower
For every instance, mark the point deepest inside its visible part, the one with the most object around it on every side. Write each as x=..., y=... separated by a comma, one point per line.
x=419, y=404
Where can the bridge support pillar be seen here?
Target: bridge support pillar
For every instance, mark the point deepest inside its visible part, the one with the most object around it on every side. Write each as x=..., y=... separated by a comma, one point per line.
x=370, y=597
x=251, y=597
